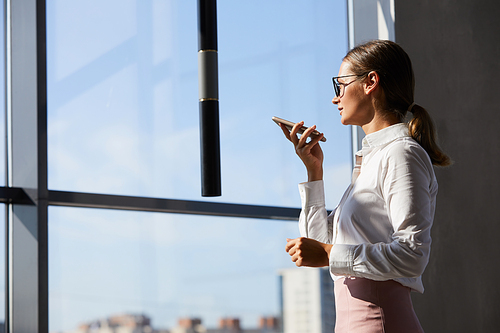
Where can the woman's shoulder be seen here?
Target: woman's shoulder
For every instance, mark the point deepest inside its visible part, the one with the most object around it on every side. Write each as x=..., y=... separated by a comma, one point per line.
x=407, y=150
x=406, y=159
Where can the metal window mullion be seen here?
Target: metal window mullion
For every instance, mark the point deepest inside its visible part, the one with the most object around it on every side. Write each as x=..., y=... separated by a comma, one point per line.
x=8, y=161
x=42, y=168
x=159, y=205
x=356, y=135
x=27, y=272
x=18, y=196
x=365, y=20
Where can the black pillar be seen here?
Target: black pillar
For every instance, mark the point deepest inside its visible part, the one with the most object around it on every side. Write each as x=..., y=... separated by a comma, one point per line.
x=209, y=98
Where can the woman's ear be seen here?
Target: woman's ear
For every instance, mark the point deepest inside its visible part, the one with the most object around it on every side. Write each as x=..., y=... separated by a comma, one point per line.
x=371, y=83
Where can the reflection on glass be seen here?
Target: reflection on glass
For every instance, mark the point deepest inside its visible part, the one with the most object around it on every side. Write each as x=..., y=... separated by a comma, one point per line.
x=115, y=266
x=2, y=174
x=2, y=268
x=123, y=96
x=2, y=102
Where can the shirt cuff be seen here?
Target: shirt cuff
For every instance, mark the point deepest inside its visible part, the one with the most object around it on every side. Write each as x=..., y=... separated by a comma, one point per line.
x=342, y=259
x=312, y=193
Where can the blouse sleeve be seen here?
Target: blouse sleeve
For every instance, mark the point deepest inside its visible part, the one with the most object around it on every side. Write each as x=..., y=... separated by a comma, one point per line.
x=409, y=189
x=314, y=221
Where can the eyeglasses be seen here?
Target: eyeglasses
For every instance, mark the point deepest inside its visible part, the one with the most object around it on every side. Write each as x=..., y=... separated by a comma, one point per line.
x=338, y=85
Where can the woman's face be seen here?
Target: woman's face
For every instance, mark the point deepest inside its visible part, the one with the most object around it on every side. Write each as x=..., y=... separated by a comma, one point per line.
x=353, y=103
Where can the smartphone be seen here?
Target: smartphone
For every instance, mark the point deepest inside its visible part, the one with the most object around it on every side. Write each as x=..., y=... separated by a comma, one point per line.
x=289, y=125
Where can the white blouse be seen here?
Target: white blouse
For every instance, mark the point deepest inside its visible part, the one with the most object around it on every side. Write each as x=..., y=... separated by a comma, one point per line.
x=381, y=228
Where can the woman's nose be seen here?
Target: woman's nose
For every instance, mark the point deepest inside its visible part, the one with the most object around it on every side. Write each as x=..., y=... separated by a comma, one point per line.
x=335, y=100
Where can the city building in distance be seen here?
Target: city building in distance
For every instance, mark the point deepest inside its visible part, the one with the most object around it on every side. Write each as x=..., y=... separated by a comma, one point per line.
x=122, y=323
x=133, y=323
x=307, y=300
x=189, y=325
x=232, y=325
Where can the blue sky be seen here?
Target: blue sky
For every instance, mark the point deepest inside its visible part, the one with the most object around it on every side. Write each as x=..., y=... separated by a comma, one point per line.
x=123, y=94
x=123, y=119
x=166, y=266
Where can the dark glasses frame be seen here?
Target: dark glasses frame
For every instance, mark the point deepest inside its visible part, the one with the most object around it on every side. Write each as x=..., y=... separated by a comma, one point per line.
x=336, y=84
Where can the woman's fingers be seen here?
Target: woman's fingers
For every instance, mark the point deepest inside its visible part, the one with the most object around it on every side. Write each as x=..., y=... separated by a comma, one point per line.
x=290, y=243
x=308, y=252
x=302, y=146
x=293, y=249
x=294, y=132
x=314, y=138
x=285, y=131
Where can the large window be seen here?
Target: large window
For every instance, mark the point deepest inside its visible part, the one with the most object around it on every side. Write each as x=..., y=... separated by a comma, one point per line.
x=2, y=268
x=2, y=174
x=123, y=96
x=164, y=266
x=122, y=125
x=2, y=104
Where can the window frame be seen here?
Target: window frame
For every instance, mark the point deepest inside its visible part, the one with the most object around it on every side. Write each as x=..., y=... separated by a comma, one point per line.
x=26, y=194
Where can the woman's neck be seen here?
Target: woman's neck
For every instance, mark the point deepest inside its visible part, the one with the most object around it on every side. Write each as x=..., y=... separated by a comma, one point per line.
x=380, y=121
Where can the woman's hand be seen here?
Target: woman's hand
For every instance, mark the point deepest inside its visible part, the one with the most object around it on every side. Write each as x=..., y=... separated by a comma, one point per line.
x=309, y=152
x=308, y=252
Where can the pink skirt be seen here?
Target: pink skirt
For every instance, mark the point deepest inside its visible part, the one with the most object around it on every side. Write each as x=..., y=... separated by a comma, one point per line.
x=367, y=306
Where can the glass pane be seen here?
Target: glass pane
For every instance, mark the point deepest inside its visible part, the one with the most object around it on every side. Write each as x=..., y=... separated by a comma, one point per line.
x=2, y=102
x=123, y=96
x=165, y=267
x=2, y=268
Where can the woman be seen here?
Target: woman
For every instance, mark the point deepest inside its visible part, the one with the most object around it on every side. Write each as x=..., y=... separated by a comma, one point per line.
x=377, y=241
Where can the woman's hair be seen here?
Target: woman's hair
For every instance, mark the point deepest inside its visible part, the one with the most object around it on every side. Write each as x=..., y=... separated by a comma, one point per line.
x=394, y=68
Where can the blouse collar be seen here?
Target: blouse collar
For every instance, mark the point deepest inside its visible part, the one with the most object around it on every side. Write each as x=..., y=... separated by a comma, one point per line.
x=385, y=135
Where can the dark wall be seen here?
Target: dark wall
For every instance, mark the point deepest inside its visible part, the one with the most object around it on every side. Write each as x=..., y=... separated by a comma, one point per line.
x=455, y=49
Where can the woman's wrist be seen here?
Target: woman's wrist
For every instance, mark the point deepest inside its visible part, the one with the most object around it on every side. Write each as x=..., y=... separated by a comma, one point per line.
x=314, y=175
